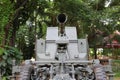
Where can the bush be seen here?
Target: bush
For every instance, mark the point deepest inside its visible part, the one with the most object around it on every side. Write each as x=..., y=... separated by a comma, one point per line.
x=7, y=56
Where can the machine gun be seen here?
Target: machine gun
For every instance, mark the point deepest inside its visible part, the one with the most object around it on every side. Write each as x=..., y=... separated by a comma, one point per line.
x=61, y=56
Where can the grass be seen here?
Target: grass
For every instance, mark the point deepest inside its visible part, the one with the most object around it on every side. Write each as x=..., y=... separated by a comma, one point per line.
x=117, y=74
x=116, y=69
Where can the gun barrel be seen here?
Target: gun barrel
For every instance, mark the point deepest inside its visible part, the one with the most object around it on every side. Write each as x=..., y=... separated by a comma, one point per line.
x=61, y=18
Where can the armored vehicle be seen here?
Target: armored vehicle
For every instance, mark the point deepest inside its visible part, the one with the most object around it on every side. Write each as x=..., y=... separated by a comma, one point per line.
x=61, y=56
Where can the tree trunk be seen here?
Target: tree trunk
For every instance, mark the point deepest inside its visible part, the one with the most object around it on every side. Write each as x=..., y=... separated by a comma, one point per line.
x=95, y=52
x=13, y=37
x=6, y=30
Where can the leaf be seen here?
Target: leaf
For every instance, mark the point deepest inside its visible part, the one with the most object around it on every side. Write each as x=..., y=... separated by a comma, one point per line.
x=4, y=78
x=5, y=52
x=3, y=63
x=1, y=51
x=9, y=61
x=4, y=57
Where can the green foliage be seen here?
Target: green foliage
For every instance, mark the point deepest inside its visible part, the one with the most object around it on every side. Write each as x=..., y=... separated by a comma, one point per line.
x=1, y=51
x=116, y=67
x=117, y=74
x=76, y=10
x=4, y=78
x=9, y=54
x=6, y=9
x=25, y=40
x=84, y=14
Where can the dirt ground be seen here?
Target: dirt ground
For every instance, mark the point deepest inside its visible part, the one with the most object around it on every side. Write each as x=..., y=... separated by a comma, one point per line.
x=117, y=78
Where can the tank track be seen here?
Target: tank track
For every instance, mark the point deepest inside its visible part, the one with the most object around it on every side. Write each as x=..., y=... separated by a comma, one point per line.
x=99, y=72
x=25, y=72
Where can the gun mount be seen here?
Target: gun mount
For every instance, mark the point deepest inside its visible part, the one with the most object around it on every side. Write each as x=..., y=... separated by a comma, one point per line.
x=61, y=56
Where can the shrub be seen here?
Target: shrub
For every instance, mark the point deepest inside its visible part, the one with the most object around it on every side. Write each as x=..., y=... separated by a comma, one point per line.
x=8, y=54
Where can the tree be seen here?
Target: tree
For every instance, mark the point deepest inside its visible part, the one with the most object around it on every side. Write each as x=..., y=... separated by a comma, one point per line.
x=89, y=17
x=6, y=10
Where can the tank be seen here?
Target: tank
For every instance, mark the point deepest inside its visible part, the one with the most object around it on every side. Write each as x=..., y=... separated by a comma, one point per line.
x=62, y=56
